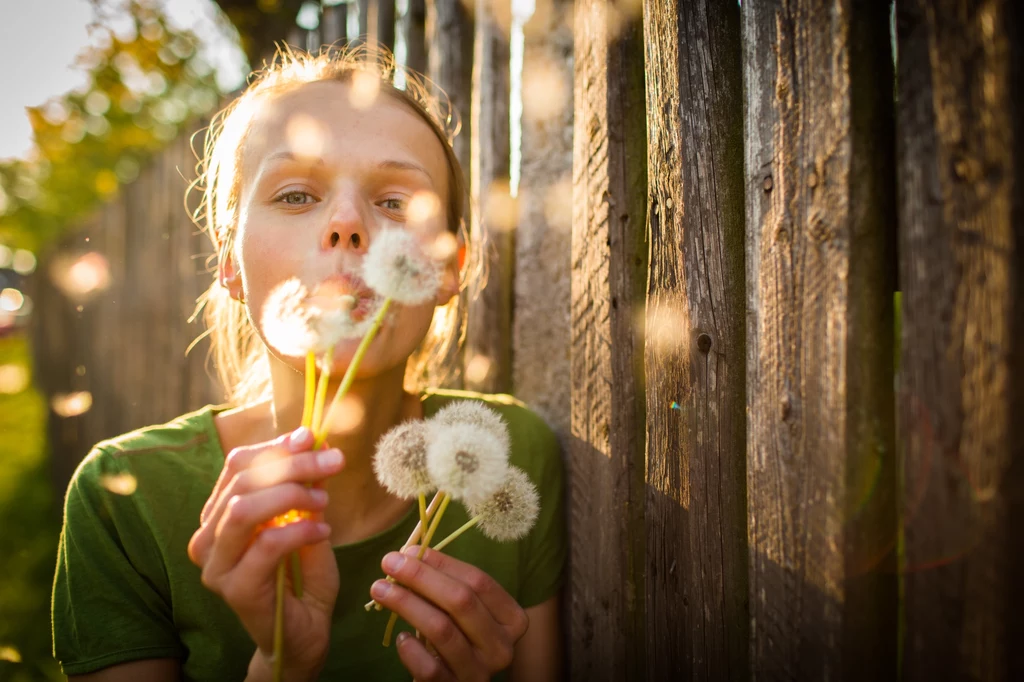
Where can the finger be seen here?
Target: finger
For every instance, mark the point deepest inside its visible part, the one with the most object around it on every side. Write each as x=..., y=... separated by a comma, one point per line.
x=246, y=513
x=421, y=664
x=454, y=597
x=239, y=459
x=270, y=468
x=435, y=624
x=257, y=568
x=505, y=609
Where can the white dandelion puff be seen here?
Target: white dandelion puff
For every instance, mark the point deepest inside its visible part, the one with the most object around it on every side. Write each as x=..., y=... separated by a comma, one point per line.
x=510, y=512
x=466, y=461
x=296, y=323
x=401, y=460
x=476, y=413
x=396, y=267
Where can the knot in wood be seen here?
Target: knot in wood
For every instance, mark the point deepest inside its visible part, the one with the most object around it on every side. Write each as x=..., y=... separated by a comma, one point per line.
x=768, y=183
x=704, y=343
x=812, y=180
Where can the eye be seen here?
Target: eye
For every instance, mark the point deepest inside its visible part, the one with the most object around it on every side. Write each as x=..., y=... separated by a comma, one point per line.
x=394, y=203
x=295, y=198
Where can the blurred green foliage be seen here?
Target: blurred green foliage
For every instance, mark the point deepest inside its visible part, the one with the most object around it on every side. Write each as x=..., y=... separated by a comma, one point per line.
x=30, y=522
x=143, y=85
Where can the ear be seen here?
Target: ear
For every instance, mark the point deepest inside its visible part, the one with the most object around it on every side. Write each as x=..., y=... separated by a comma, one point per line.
x=229, y=276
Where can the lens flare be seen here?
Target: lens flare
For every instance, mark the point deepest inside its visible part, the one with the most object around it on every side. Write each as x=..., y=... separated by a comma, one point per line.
x=71, y=404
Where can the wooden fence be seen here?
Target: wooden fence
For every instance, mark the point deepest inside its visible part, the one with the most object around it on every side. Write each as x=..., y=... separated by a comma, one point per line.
x=698, y=294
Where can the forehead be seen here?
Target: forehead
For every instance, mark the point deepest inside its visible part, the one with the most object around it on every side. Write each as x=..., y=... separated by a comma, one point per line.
x=322, y=118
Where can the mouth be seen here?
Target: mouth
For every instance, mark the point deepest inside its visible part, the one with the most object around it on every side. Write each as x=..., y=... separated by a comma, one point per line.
x=344, y=291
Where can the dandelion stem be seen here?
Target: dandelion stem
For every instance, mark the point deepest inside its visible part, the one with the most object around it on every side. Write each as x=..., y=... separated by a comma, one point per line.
x=350, y=373
x=321, y=392
x=413, y=537
x=307, y=404
x=423, y=548
x=279, y=624
x=466, y=526
x=422, y=499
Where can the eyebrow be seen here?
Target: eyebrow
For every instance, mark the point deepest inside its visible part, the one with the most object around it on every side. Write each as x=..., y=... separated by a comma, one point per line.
x=389, y=164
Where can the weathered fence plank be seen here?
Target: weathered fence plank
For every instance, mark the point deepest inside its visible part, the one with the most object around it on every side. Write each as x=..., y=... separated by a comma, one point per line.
x=606, y=447
x=450, y=55
x=540, y=333
x=820, y=225
x=696, y=424
x=414, y=26
x=488, y=348
x=386, y=23
x=961, y=235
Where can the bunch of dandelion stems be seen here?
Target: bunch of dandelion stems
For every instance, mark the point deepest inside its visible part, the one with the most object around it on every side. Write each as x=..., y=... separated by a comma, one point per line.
x=315, y=418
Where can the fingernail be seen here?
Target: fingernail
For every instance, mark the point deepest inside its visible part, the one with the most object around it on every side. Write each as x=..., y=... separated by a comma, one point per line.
x=412, y=550
x=329, y=459
x=319, y=496
x=393, y=562
x=299, y=435
x=402, y=636
x=323, y=529
x=380, y=589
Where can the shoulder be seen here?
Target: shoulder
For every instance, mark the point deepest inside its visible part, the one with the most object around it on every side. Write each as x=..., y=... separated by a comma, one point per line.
x=187, y=442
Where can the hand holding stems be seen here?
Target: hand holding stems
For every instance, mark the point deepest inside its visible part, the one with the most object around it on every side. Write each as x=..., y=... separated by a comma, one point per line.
x=239, y=549
x=472, y=622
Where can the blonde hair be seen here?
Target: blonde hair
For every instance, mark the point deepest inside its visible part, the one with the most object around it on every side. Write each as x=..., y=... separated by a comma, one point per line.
x=238, y=354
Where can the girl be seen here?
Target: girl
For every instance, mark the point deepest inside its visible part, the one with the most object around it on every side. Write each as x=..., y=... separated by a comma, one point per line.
x=177, y=579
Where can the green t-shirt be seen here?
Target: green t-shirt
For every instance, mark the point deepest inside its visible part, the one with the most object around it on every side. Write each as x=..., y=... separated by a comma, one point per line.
x=125, y=588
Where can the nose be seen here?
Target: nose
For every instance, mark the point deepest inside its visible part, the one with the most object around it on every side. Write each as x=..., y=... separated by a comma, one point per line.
x=346, y=228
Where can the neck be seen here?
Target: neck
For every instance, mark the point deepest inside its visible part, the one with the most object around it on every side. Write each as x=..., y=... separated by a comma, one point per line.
x=359, y=507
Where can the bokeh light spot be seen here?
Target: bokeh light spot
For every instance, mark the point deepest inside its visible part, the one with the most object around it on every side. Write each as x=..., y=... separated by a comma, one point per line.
x=478, y=368
x=71, y=404
x=82, y=276
x=13, y=379
x=306, y=136
x=501, y=210
x=11, y=300
x=363, y=89
x=119, y=484
x=348, y=415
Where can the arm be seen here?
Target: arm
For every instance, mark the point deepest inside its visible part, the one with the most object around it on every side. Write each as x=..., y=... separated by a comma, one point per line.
x=538, y=655
x=152, y=670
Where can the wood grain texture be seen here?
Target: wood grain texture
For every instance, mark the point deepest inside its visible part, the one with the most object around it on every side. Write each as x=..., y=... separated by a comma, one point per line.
x=488, y=346
x=697, y=608
x=125, y=344
x=414, y=25
x=450, y=56
x=540, y=332
x=961, y=230
x=386, y=23
x=820, y=229
x=606, y=588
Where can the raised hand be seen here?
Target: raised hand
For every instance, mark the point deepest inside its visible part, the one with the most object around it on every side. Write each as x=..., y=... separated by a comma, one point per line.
x=466, y=616
x=238, y=551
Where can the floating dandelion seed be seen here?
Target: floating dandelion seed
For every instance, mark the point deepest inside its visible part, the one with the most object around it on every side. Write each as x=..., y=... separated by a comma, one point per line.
x=477, y=369
x=423, y=207
x=13, y=379
x=306, y=136
x=120, y=484
x=348, y=416
x=475, y=413
x=10, y=654
x=363, y=89
x=466, y=461
x=82, y=276
x=401, y=461
x=397, y=268
x=71, y=404
x=501, y=210
x=510, y=512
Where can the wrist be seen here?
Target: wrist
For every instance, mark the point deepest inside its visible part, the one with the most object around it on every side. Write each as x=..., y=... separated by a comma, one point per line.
x=261, y=669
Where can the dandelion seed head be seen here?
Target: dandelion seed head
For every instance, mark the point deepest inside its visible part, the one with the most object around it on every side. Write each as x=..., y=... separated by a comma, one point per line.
x=397, y=268
x=401, y=460
x=477, y=414
x=510, y=512
x=296, y=322
x=465, y=460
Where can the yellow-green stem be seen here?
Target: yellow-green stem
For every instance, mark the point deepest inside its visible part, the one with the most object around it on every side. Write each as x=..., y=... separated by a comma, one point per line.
x=321, y=392
x=350, y=373
x=422, y=499
x=423, y=548
x=279, y=624
x=413, y=537
x=307, y=403
x=466, y=526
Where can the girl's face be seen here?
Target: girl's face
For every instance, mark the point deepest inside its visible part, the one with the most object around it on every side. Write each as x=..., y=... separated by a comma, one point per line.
x=320, y=178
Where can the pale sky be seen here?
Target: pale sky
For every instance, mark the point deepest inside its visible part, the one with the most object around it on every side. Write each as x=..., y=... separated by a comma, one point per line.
x=42, y=37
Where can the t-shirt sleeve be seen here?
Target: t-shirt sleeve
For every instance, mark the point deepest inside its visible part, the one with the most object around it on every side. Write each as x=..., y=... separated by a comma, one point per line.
x=110, y=599
x=545, y=547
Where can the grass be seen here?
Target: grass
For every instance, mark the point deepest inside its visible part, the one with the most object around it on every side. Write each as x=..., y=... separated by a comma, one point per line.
x=31, y=522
